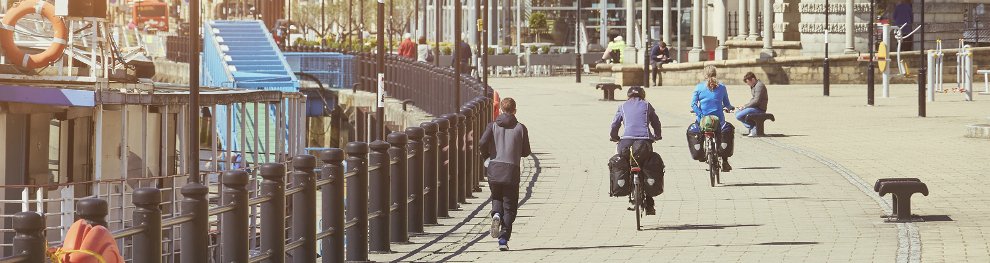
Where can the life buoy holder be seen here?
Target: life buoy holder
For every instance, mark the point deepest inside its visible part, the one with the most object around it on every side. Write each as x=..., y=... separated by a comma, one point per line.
x=18, y=57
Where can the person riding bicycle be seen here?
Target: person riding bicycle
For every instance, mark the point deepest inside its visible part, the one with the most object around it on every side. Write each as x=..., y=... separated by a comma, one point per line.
x=638, y=115
x=710, y=98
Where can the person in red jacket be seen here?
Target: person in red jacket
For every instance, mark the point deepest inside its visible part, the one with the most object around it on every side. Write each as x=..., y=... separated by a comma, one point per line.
x=407, y=48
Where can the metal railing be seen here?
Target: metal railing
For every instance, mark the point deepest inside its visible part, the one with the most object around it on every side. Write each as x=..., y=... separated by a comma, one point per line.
x=393, y=188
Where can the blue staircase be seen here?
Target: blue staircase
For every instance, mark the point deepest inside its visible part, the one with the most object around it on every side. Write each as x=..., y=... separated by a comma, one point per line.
x=242, y=54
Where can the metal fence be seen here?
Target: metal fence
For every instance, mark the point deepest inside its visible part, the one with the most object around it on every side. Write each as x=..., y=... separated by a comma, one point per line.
x=270, y=212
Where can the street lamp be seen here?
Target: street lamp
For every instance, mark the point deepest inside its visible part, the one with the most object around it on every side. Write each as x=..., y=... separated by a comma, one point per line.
x=380, y=133
x=871, y=70
x=825, y=69
x=577, y=41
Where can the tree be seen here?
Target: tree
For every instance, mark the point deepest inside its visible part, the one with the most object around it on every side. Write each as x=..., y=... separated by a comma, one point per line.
x=538, y=24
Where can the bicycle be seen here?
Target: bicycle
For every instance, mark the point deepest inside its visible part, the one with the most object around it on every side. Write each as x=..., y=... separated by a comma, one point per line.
x=711, y=147
x=638, y=195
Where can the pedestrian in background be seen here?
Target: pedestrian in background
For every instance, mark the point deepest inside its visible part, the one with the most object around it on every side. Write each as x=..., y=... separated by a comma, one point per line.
x=407, y=48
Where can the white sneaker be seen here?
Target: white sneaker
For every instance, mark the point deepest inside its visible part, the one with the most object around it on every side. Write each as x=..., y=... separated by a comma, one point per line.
x=496, y=230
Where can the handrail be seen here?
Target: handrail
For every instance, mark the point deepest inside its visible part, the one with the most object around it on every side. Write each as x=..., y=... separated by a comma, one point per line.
x=260, y=257
x=127, y=232
x=223, y=62
x=176, y=220
x=294, y=244
x=15, y=259
x=259, y=200
x=221, y=209
x=325, y=233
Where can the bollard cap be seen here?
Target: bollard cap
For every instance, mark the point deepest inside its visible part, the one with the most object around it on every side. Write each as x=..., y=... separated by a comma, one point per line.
x=397, y=139
x=467, y=112
x=235, y=178
x=147, y=196
x=452, y=118
x=194, y=189
x=415, y=133
x=304, y=162
x=332, y=155
x=92, y=208
x=28, y=222
x=379, y=146
x=273, y=171
x=442, y=124
x=356, y=148
x=460, y=119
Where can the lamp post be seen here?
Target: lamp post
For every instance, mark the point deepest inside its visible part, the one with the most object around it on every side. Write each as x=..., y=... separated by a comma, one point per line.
x=872, y=70
x=577, y=41
x=380, y=134
x=825, y=68
x=924, y=68
x=457, y=55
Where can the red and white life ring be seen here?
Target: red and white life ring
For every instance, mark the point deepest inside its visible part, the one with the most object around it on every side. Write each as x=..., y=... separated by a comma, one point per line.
x=18, y=57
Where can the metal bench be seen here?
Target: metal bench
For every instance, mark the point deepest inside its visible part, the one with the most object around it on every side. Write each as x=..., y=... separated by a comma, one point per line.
x=758, y=119
x=902, y=191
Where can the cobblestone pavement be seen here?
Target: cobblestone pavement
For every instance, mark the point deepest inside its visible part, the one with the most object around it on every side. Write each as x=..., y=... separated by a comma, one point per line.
x=799, y=195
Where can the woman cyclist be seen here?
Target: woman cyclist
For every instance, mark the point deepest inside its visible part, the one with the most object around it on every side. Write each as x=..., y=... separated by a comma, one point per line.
x=710, y=98
x=638, y=115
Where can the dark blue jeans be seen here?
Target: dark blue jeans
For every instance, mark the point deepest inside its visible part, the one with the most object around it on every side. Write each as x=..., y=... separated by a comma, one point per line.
x=742, y=114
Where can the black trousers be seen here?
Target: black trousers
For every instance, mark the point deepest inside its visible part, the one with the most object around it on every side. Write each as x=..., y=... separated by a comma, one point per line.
x=623, y=146
x=505, y=202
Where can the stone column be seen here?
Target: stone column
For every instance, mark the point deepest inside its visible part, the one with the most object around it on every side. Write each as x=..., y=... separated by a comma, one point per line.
x=767, y=51
x=741, y=19
x=753, y=31
x=721, y=32
x=695, y=54
x=666, y=21
x=630, y=23
x=850, y=27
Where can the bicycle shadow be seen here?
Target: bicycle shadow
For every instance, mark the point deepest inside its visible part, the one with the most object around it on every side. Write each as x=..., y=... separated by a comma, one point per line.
x=764, y=184
x=698, y=227
x=577, y=248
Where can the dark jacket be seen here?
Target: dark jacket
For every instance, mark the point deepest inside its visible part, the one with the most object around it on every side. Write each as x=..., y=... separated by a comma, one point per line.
x=656, y=51
x=638, y=115
x=760, y=97
x=463, y=58
x=505, y=142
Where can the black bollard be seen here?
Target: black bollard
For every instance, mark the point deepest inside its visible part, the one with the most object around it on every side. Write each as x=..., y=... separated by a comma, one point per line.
x=234, y=240
x=273, y=211
x=29, y=238
x=93, y=210
x=452, y=174
x=196, y=233
x=467, y=152
x=443, y=183
x=148, y=213
x=333, y=204
x=398, y=230
x=378, y=205
x=414, y=179
x=357, y=201
x=461, y=160
x=430, y=188
x=304, y=208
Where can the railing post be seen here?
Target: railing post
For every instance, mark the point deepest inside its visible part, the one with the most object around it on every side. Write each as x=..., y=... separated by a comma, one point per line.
x=234, y=224
x=414, y=178
x=148, y=214
x=453, y=164
x=430, y=187
x=93, y=210
x=398, y=230
x=467, y=141
x=273, y=211
x=379, y=197
x=30, y=236
x=443, y=182
x=357, y=201
x=195, y=243
x=304, y=208
x=333, y=205
x=481, y=123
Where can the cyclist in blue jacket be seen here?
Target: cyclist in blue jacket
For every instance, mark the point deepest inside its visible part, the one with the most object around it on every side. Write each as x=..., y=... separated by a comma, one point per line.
x=712, y=98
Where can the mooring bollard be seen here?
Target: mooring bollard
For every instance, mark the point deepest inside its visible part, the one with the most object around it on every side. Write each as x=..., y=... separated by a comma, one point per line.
x=378, y=177
x=398, y=230
x=468, y=150
x=443, y=183
x=93, y=210
x=430, y=186
x=234, y=240
x=195, y=234
x=304, y=208
x=357, y=201
x=461, y=159
x=452, y=186
x=148, y=213
x=333, y=205
x=414, y=179
x=29, y=239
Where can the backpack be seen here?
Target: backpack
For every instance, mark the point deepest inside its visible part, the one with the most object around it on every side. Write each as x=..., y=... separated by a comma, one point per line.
x=619, y=182
x=429, y=56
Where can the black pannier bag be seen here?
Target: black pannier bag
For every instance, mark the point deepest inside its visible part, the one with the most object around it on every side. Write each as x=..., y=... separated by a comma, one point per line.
x=619, y=182
x=653, y=169
x=695, y=142
x=727, y=138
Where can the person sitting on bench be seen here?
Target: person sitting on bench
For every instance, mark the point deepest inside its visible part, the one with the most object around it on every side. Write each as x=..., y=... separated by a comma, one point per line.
x=756, y=105
x=613, y=54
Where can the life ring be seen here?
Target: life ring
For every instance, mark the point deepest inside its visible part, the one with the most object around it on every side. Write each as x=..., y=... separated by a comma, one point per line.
x=18, y=57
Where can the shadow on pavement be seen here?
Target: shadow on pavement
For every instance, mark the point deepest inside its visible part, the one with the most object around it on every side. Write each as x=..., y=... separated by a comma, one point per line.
x=788, y=243
x=936, y=218
x=576, y=248
x=760, y=168
x=766, y=184
x=699, y=227
x=784, y=135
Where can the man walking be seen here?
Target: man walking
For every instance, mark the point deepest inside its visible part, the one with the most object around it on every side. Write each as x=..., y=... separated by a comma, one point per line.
x=756, y=105
x=503, y=144
x=407, y=48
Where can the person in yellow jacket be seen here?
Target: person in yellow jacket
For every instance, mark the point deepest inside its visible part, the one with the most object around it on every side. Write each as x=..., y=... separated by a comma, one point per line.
x=613, y=54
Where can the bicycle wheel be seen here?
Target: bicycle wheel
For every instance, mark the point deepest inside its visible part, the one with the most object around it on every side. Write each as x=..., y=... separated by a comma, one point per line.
x=712, y=162
x=638, y=192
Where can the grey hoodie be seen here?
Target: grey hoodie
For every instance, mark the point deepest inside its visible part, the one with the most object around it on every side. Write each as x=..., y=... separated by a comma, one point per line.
x=505, y=141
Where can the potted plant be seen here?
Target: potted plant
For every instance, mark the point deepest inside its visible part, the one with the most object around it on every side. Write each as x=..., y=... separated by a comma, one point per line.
x=545, y=50
x=538, y=24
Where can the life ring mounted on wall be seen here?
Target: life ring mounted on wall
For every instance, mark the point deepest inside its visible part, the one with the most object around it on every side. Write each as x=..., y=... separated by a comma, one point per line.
x=13, y=53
